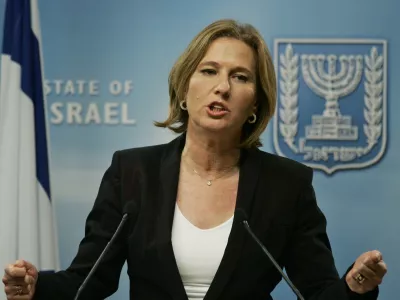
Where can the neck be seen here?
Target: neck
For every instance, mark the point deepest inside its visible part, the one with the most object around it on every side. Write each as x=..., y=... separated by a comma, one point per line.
x=211, y=153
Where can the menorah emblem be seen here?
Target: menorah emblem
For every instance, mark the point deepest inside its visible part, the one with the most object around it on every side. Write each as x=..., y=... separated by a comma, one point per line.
x=314, y=75
x=332, y=85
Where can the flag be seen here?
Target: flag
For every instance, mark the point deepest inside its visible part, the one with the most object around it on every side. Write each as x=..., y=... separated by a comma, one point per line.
x=27, y=229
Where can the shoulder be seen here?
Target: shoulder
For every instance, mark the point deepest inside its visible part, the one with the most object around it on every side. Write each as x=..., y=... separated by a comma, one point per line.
x=148, y=156
x=138, y=158
x=284, y=168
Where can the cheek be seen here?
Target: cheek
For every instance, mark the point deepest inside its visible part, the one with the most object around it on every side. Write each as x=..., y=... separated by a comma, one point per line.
x=193, y=92
x=247, y=100
x=190, y=96
x=196, y=83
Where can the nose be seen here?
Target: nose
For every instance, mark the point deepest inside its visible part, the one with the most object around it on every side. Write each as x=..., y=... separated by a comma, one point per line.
x=223, y=86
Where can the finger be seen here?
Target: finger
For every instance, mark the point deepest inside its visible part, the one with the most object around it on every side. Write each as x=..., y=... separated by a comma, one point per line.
x=369, y=280
x=365, y=272
x=13, y=290
x=29, y=267
x=5, y=279
x=378, y=256
x=373, y=258
x=13, y=281
x=357, y=276
x=13, y=271
x=370, y=275
x=374, y=262
x=380, y=268
x=361, y=288
x=28, y=279
x=354, y=285
x=10, y=277
x=20, y=263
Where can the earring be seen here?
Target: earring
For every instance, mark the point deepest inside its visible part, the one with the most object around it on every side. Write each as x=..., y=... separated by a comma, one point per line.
x=182, y=104
x=252, y=119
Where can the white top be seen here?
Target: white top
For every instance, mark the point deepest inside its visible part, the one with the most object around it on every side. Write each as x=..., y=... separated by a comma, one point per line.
x=198, y=252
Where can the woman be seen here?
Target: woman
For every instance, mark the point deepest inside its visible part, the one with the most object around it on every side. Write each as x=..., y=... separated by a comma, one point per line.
x=183, y=240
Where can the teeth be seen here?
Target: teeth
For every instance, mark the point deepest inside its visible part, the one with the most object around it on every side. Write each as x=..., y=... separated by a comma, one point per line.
x=217, y=108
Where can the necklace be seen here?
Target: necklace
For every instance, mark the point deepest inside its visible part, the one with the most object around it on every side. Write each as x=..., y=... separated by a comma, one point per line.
x=210, y=181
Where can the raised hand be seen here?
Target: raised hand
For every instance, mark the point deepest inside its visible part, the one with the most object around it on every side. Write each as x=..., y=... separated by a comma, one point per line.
x=20, y=280
x=367, y=272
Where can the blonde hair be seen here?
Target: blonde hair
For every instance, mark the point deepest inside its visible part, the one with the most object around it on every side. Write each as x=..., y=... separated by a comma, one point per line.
x=188, y=61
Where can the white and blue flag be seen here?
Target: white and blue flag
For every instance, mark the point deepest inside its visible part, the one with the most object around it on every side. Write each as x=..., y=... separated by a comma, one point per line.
x=27, y=228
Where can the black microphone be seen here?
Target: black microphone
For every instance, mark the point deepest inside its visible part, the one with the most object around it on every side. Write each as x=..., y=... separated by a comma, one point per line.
x=128, y=210
x=241, y=214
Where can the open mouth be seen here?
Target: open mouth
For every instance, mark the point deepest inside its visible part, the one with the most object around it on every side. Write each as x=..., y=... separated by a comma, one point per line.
x=215, y=107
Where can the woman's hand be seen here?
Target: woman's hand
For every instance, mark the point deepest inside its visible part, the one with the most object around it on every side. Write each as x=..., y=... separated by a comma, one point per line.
x=367, y=272
x=20, y=280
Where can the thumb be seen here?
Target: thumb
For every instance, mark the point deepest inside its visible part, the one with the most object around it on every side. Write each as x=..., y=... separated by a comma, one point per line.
x=20, y=263
x=376, y=256
x=30, y=269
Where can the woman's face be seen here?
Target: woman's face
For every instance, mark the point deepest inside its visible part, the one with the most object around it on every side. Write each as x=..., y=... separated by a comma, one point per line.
x=222, y=90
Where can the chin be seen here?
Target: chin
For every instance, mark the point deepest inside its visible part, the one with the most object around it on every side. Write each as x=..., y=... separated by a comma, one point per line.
x=215, y=129
x=214, y=125
x=218, y=129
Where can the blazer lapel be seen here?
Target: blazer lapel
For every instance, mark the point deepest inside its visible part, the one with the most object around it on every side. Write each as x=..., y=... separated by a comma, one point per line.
x=169, y=175
x=248, y=179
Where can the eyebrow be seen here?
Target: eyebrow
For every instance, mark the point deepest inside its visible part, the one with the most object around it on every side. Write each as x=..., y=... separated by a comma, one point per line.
x=216, y=65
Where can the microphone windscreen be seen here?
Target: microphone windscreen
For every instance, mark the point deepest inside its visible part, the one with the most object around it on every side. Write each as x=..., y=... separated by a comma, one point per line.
x=129, y=208
x=240, y=214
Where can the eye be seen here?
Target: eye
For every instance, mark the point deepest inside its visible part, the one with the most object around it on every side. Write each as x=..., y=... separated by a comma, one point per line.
x=209, y=71
x=241, y=78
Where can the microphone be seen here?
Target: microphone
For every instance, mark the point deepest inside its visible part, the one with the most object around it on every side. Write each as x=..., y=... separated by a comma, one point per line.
x=128, y=209
x=241, y=214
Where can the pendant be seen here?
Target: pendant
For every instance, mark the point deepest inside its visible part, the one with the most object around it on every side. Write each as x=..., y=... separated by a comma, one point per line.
x=209, y=182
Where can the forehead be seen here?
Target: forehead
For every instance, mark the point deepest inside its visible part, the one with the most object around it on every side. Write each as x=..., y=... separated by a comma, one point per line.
x=230, y=51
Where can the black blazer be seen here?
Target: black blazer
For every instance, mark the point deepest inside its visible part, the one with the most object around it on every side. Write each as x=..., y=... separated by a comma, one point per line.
x=277, y=195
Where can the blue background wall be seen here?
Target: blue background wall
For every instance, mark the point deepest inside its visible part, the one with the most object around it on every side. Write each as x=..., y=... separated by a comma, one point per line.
x=138, y=41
